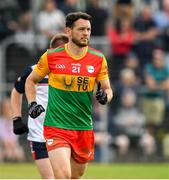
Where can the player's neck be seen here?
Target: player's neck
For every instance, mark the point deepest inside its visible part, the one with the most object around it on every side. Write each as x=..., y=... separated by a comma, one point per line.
x=74, y=50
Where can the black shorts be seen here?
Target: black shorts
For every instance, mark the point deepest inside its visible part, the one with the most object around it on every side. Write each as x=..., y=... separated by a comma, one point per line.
x=38, y=150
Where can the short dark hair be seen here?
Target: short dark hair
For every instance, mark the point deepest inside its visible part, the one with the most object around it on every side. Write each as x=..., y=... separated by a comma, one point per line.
x=58, y=39
x=74, y=16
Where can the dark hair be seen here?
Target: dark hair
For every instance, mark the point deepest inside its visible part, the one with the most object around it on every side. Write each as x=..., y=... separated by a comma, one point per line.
x=72, y=17
x=58, y=39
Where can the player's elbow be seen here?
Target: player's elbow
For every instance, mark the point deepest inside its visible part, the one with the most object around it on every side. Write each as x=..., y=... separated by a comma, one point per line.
x=29, y=82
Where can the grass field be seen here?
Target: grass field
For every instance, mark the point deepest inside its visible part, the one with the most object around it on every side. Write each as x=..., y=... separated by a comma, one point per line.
x=94, y=171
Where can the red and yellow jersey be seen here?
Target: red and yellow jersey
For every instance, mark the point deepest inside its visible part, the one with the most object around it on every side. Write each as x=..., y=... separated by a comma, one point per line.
x=71, y=83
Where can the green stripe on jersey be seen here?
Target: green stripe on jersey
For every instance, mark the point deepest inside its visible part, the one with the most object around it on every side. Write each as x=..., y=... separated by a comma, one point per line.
x=96, y=53
x=55, y=50
x=69, y=110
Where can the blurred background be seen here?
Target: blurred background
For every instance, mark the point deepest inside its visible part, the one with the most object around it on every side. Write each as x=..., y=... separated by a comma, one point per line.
x=133, y=35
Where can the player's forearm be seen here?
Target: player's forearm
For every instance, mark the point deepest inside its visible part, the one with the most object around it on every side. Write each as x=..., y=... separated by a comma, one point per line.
x=105, y=85
x=109, y=94
x=30, y=90
x=16, y=103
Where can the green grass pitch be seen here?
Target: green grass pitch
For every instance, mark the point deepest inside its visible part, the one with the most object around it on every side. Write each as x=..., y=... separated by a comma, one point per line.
x=94, y=171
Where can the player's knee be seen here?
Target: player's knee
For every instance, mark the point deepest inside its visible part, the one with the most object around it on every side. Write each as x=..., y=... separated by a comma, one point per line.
x=67, y=175
x=47, y=174
x=63, y=174
x=77, y=174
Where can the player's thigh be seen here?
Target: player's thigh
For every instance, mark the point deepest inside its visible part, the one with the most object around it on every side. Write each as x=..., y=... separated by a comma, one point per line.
x=77, y=169
x=60, y=160
x=45, y=168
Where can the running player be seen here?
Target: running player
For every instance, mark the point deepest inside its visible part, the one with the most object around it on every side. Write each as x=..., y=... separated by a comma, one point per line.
x=73, y=70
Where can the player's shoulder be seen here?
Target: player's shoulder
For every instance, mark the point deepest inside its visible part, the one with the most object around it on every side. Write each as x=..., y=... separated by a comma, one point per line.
x=55, y=50
x=95, y=52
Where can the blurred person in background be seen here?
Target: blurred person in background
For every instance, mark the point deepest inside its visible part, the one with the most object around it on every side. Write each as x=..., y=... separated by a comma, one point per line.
x=146, y=34
x=132, y=62
x=126, y=81
x=161, y=18
x=35, y=126
x=25, y=35
x=156, y=89
x=123, y=9
x=9, y=142
x=50, y=20
x=99, y=17
x=130, y=124
x=9, y=13
x=69, y=6
x=73, y=71
x=122, y=39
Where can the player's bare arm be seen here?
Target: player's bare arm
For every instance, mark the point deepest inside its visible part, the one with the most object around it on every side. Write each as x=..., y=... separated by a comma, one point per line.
x=30, y=89
x=30, y=86
x=16, y=102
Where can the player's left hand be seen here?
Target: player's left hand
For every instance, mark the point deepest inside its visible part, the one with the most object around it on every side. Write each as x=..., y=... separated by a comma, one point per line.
x=19, y=127
x=101, y=95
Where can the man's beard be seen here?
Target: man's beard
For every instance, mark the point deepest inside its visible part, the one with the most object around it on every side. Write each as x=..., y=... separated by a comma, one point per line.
x=78, y=43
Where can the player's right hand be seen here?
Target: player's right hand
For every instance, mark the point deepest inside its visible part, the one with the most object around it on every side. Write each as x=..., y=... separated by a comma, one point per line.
x=19, y=127
x=35, y=109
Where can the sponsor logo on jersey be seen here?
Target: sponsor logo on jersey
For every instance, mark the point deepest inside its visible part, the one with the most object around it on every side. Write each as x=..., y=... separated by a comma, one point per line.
x=90, y=69
x=60, y=66
x=68, y=81
x=82, y=83
x=50, y=142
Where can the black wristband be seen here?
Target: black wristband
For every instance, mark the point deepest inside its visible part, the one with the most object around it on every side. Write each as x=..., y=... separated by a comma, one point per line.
x=16, y=118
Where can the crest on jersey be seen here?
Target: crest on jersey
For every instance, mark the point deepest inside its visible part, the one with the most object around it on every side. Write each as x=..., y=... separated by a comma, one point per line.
x=90, y=69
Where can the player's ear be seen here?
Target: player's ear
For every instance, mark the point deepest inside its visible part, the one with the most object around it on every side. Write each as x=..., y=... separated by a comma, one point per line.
x=68, y=30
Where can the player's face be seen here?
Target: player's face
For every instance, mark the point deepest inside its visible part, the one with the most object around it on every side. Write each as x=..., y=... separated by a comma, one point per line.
x=80, y=33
